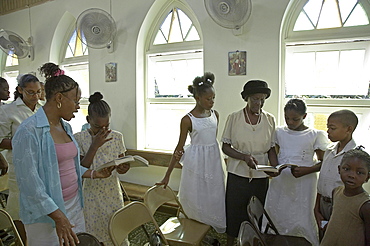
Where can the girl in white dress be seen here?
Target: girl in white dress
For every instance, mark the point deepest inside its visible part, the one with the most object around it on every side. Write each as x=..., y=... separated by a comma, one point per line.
x=291, y=195
x=99, y=145
x=202, y=186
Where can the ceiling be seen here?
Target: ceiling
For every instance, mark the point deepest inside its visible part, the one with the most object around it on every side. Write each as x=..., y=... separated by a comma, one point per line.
x=8, y=6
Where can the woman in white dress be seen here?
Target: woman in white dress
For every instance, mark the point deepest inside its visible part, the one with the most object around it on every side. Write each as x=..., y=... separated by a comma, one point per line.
x=291, y=195
x=202, y=186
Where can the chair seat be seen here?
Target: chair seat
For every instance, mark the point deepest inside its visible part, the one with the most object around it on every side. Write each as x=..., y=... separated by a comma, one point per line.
x=184, y=231
x=281, y=240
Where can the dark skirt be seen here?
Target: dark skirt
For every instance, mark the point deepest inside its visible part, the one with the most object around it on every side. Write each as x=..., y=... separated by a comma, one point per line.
x=238, y=193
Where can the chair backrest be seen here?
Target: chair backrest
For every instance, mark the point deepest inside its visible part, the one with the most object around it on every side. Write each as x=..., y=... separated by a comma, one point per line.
x=129, y=218
x=256, y=211
x=87, y=239
x=6, y=222
x=249, y=236
x=156, y=196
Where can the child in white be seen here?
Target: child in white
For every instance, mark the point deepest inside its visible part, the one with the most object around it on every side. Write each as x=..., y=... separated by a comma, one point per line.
x=202, y=187
x=291, y=195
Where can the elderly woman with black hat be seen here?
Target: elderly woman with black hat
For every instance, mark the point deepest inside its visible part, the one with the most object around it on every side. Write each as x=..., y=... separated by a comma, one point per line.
x=248, y=140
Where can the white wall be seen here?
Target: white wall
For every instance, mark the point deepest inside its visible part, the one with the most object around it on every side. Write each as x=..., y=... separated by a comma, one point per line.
x=260, y=39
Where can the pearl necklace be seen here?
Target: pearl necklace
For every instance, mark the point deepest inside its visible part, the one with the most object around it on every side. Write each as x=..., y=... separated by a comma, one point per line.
x=250, y=122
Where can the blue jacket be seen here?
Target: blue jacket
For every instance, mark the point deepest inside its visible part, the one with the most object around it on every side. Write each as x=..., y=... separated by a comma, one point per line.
x=37, y=170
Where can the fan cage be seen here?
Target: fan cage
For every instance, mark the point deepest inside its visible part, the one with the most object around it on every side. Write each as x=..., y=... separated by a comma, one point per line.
x=96, y=28
x=13, y=44
x=230, y=14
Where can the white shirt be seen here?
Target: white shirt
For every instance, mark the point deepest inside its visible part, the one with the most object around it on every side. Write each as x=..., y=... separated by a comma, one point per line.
x=254, y=140
x=11, y=116
x=329, y=177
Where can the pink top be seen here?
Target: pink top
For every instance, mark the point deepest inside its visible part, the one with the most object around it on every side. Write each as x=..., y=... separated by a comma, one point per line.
x=67, y=170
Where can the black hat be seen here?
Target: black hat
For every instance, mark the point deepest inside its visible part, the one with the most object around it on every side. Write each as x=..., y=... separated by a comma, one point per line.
x=255, y=86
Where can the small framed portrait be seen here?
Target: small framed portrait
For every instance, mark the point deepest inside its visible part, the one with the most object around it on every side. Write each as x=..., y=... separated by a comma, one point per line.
x=111, y=72
x=237, y=63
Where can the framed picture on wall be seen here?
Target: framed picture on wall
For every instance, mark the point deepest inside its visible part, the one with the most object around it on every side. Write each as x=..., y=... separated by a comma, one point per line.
x=237, y=63
x=111, y=72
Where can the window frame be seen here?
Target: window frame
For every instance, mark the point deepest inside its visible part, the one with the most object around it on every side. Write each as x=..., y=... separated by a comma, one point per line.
x=323, y=36
x=189, y=48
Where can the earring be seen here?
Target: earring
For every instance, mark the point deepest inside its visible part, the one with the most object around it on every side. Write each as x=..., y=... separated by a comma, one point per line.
x=59, y=105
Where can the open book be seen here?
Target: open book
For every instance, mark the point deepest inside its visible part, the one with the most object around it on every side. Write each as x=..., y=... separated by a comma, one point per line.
x=133, y=160
x=276, y=169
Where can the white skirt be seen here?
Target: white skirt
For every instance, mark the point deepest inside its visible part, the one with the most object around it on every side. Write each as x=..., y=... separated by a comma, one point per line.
x=44, y=234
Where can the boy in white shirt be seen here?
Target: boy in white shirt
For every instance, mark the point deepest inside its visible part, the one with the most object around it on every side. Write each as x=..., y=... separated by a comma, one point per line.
x=341, y=125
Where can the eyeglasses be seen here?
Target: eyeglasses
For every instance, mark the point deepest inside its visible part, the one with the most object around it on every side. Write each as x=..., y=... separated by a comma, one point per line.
x=76, y=103
x=32, y=93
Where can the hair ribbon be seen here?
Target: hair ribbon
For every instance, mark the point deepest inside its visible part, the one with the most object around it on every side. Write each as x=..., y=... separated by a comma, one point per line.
x=59, y=72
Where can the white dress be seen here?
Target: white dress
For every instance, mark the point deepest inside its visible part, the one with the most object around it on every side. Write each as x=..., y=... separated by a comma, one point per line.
x=290, y=201
x=202, y=185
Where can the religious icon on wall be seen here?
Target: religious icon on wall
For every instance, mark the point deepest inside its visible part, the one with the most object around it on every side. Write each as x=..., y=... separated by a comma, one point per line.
x=111, y=72
x=237, y=63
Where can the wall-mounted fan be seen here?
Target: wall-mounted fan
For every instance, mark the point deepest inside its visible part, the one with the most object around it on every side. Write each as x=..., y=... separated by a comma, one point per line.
x=232, y=14
x=96, y=28
x=14, y=45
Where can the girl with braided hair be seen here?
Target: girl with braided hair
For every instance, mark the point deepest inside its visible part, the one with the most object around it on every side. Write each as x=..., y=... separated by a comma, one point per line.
x=202, y=186
x=47, y=166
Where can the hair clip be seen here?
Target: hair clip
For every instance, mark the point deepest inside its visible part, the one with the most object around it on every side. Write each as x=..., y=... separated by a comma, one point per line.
x=200, y=83
x=59, y=72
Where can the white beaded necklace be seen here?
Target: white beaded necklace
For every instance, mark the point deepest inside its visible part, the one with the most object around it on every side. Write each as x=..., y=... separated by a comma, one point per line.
x=250, y=122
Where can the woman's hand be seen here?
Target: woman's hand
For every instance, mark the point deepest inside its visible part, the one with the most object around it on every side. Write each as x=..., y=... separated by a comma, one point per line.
x=123, y=168
x=178, y=154
x=103, y=173
x=64, y=229
x=251, y=161
x=319, y=218
x=298, y=172
x=100, y=137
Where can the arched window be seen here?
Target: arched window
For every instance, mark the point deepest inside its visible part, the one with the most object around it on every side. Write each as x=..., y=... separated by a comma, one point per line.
x=173, y=58
x=75, y=64
x=326, y=59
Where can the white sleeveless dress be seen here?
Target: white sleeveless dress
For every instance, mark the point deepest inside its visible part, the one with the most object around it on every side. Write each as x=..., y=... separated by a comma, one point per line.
x=202, y=185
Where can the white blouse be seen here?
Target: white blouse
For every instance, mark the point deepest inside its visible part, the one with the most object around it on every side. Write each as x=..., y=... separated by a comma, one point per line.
x=255, y=140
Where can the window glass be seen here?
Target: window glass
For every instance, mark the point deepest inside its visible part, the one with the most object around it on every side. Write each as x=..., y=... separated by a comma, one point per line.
x=80, y=73
x=170, y=75
x=323, y=14
x=76, y=47
x=11, y=60
x=177, y=27
x=327, y=72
